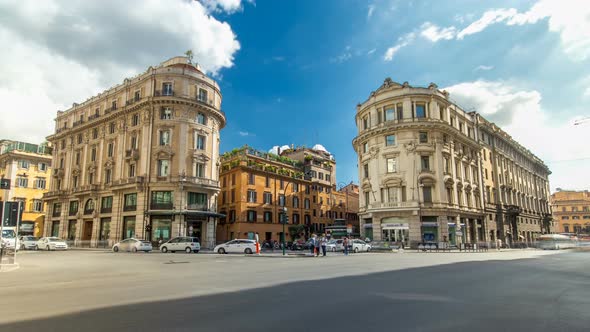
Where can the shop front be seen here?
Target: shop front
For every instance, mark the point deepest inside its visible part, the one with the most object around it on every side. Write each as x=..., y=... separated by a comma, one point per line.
x=429, y=230
x=395, y=230
x=161, y=229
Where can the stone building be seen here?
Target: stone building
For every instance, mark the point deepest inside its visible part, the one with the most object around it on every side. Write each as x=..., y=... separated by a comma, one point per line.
x=571, y=211
x=139, y=160
x=422, y=164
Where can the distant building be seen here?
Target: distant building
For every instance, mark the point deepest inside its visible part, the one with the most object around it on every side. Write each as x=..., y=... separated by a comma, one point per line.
x=139, y=160
x=432, y=172
x=256, y=185
x=28, y=167
x=571, y=211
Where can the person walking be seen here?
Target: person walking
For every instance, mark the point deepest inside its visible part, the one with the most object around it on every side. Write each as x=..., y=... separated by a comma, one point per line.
x=312, y=244
x=317, y=246
x=323, y=243
x=345, y=244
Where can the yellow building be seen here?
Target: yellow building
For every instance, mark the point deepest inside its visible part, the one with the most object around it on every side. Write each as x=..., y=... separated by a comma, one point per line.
x=571, y=211
x=28, y=166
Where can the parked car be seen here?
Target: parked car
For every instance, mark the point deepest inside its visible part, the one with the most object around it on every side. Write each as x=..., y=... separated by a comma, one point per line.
x=334, y=245
x=185, y=243
x=360, y=245
x=236, y=246
x=51, y=243
x=28, y=242
x=9, y=239
x=133, y=245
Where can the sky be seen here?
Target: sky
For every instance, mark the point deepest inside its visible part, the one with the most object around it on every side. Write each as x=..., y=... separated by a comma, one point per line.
x=292, y=72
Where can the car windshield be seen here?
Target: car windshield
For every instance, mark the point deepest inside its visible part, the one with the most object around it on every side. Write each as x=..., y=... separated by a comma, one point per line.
x=55, y=239
x=8, y=233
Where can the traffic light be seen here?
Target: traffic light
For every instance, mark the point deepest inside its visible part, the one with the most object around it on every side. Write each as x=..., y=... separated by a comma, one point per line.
x=284, y=219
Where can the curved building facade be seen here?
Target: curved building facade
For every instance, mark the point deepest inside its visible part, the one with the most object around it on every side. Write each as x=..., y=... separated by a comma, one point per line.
x=421, y=170
x=139, y=160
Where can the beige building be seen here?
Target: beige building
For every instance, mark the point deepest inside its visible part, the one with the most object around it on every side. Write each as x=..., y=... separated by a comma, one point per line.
x=139, y=160
x=28, y=168
x=422, y=172
x=571, y=211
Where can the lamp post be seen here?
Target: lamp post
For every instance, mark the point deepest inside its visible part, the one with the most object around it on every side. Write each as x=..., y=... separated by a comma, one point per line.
x=284, y=221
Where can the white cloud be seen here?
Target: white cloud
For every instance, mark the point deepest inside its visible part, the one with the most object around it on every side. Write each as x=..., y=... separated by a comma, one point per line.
x=483, y=67
x=245, y=133
x=229, y=6
x=402, y=42
x=275, y=149
x=345, y=56
x=371, y=10
x=521, y=115
x=488, y=18
x=435, y=33
x=371, y=51
x=65, y=52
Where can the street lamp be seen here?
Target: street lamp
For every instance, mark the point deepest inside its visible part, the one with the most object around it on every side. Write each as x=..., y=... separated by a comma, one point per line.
x=284, y=221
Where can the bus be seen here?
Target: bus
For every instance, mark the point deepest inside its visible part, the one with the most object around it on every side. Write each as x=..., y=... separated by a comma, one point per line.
x=556, y=242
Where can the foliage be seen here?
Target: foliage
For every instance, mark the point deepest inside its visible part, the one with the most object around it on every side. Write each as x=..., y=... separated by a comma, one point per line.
x=295, y=231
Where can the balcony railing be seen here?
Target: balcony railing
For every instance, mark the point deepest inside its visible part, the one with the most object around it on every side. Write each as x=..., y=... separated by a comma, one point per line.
x=56, y=213
x=130, y=208
x=79, y=122
x=197, y=180
x=106, y=209
x=120, y=182
x=161, y=206
x=59, y=130
x=199, y=207
x=159, y=93
x=86, y=212
x=93, y=116
x=73, y=212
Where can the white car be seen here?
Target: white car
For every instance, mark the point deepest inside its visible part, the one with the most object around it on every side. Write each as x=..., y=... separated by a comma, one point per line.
x=51, y=243
x=237, y=246
x=360, y=245
x=28, y=242
x=9, y=239
x=184, y=243
x=334, y=245
x=133, y=245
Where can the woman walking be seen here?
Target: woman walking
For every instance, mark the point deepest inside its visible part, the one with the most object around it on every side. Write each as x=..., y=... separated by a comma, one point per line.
x=323, y=243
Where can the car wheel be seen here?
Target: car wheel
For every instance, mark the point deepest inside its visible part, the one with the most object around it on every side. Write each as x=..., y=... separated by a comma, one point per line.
x=146, y=251
x=116, y=249
x=368, y=249
x=334, y=249
x=48, y=248
x=248, y=251
x=356, y=250
x=188, y=250
x=36, y=247
x=196, y=251
x=164, y=249
x=133, y=249
x=221, y=251
x=22, y=247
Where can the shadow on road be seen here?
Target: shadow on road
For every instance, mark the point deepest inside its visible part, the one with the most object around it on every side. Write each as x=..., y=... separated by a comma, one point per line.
x=547, y=294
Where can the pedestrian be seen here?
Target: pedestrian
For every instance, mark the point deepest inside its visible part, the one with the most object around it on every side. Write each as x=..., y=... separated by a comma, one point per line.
x=345, y=244
x=317, y=246
x=312, y=244
x=323, y=243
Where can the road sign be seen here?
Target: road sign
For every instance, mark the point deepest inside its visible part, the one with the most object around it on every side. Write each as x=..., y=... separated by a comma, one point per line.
x=4, y=183
x=349, y=228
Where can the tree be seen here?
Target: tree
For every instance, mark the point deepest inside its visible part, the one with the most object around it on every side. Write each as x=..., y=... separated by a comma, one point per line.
x=189, y=55
x=296, y=231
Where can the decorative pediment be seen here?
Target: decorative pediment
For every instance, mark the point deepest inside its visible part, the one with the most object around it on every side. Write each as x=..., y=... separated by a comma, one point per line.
x=200, y=157
x=392, y=181
x=109, y=163
x=91, y=168
x=76, y=171
x=163, y=152
x=448, y=181
x=426, y=178
x=366, y=185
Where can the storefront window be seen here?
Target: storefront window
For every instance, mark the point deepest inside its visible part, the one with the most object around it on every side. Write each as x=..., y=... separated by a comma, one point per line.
x=161, y=228
x=55, y=229
x=128, y=227
x=105, y=229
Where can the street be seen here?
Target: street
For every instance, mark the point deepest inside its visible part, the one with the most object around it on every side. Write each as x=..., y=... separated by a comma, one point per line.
x=101, y=291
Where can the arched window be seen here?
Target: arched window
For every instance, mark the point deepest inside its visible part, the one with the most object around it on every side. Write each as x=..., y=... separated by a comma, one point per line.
x=89, y=206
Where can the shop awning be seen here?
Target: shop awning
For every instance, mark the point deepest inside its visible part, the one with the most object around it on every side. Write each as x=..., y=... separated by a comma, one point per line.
x=395, y=226
x=185, y=212
x=429, y=224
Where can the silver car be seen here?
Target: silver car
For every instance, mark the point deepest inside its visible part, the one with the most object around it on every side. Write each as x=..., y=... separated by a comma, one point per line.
x=182, y=243
x=28, y=242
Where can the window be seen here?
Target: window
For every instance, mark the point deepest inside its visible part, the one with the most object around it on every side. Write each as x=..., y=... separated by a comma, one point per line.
x=93, y=154
x=200, y=142
x=203, y=95
x=295, y=218
x=73, y=208
x=389, y=114
x=42, y=167
x=267, y=216
x=40, y=183
x=366, y=147
x=197, y=201
x=74, y=182
x=366, y=198
x=137, y=95
x=251, y=196
x=201, y=119
x=391, y=165
x=233, y=195
x=77, y=161
x=164, y=137
x=135, y=119
x=163, y=167
x=295, y=202
x=251, y=178
x=110, y=149
x=423, y=137
x=22, y=182
x=37, y=205
x=267, y=198
x=94, y=133
x=295, y=186
x=114, y=105
x=232, y=216
x=446, y=165
x=427, y=193
x=200, y=170
x=112, y=128
x=267, y=182
x=107, y=176
x=130, y=203
x=400, y=111
x=306, y=203
x=56, y=209
x=251, y=216
x=366, y=170
x=167, y=89
x=79, y=138
x=320, y=175
x=425, y=162
x=420, y=110
x=134, y=142
x=89, y=207
x=131, y=170
x=166, y=113
x=161, y=200
x=365, y=123
x=390, y=140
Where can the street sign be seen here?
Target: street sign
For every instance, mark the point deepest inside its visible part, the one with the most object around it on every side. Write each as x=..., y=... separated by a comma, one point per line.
x=4, y=183
x=349, y=228
x=458, y=233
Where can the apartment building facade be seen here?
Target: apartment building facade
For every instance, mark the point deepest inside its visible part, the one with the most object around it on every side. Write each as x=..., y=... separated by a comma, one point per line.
x=421, y=170
x=28, y=168
x=571, y=211
x=139, y=160
x=256, y=187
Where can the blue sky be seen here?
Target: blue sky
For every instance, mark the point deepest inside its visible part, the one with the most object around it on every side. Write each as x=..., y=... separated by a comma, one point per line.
x=292, y=72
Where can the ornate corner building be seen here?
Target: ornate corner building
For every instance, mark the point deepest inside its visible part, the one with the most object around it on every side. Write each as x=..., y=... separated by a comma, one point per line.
x=139, y=160
x=432, y=172
x=571, y=211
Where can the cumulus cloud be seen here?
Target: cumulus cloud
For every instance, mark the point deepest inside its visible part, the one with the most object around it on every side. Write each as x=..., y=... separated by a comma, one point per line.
x=435, y=33
x=402, y=42
x=229, y=6
x=520, y=114
x=67, y=51
x=275, y=149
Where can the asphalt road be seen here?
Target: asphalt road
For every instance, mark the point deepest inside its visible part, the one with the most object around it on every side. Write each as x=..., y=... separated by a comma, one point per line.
x=496, y=293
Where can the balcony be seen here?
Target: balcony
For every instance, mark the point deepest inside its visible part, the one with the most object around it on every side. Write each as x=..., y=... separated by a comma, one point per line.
x=93, y=116
x=52, y=194
x=132, y=154
x=132, y=180
x=197, y=181
x=161, y=206
x=199, y=207
x=59, y=130
x=73, y=213
x=79, y=122
x=130, y=208
x=159, y=93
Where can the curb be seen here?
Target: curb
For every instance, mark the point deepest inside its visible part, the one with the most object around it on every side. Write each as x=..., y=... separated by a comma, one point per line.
x=9, y=267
